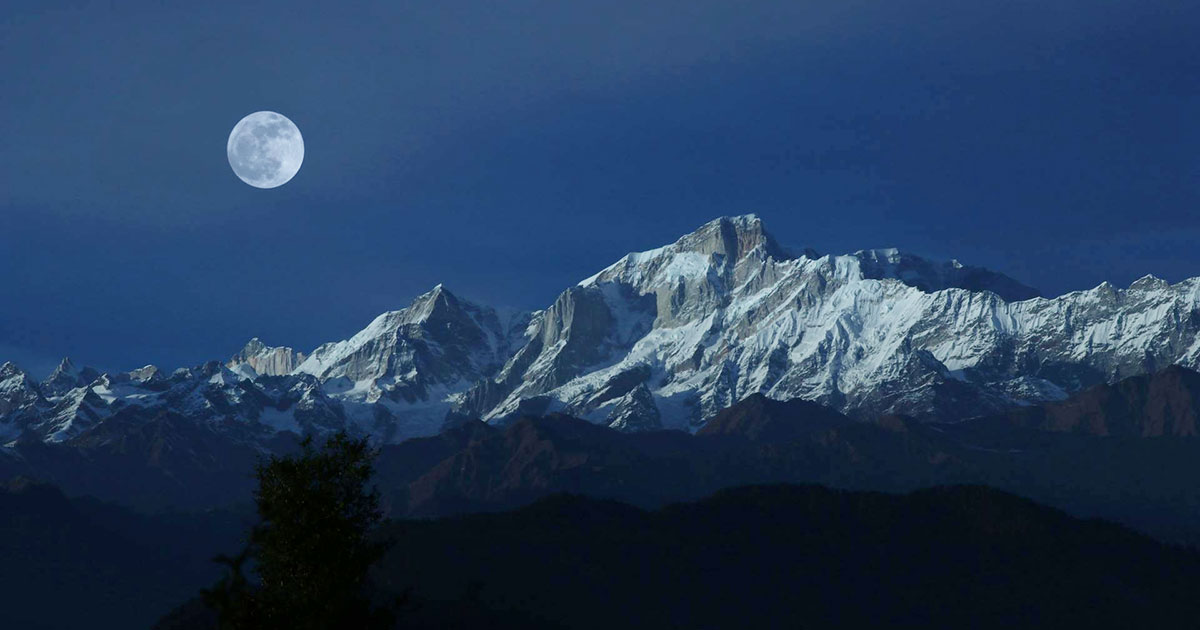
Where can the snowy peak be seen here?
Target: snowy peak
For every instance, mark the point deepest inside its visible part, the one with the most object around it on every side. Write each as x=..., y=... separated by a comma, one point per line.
x=65, y=368
x=9, y=370
x=73, y=413
x=416, y=359
x=18, y=394
x=436, y=304
x=880, y=331
x=369, y=353
x=265, y=360
x=1149, y=282
x=721, y=313
x=15, y=383
x=731, y=238
x=716, y=249
x=730, y=250
x=145, y=374
x=66, y=377
x=930, y=276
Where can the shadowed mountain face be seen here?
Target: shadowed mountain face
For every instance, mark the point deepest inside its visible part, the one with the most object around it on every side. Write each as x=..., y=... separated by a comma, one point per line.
x=766, y=557
x=757, y=440
x=1166, y=403
x=759, y=418
x=156, y=463
x=1144, y=482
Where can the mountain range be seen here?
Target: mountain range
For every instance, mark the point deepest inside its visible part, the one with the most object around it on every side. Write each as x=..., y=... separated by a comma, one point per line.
x=662, y=339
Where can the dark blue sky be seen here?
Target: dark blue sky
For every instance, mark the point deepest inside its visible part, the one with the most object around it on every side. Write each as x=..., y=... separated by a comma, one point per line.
x=509, y=149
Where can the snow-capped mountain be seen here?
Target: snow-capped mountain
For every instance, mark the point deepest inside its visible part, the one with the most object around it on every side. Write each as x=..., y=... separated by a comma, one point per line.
x=397, y=378
x=725, y=312
x=660, y=339
x=439, y=342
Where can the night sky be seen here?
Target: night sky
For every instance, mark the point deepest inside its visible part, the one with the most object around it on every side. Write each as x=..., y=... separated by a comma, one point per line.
x=510, y=149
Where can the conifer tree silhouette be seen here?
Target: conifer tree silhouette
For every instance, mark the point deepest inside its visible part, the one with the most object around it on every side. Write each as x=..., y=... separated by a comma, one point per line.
x=312, y=549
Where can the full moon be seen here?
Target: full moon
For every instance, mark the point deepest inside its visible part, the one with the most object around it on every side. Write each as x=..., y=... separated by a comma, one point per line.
x=265, y=149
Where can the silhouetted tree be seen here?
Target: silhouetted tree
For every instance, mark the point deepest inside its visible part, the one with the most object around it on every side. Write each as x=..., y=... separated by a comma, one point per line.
x=312, y=549
x=231, y=596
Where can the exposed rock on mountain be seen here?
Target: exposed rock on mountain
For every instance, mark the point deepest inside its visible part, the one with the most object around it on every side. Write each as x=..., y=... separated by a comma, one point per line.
x=265, y=360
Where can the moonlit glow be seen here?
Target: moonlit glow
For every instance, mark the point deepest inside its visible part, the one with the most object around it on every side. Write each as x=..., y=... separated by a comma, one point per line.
x=265, y=149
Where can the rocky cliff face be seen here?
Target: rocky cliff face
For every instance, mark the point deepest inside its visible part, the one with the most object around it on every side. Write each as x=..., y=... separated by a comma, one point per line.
x=265, y=360
x=664, y=339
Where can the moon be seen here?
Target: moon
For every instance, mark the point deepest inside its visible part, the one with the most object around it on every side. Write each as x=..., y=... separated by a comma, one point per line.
x=265, y=149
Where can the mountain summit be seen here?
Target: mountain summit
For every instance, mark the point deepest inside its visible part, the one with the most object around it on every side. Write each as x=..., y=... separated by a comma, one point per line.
x=263, y=359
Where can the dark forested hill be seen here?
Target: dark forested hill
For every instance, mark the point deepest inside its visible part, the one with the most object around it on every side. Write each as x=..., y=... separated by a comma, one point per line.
x=805, y=557
x=79, y=563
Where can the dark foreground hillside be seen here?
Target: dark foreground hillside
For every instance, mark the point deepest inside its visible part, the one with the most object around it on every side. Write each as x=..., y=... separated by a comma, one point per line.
x=795, y=556
x=80, y=563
